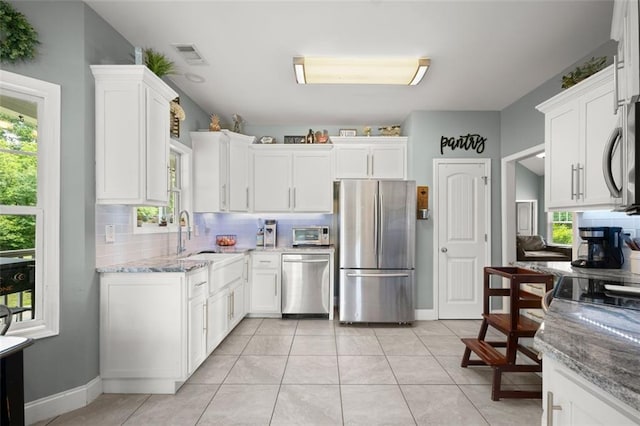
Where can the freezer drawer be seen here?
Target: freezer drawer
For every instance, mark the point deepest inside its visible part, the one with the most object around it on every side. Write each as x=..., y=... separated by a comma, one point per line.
x=305, y=284
x=376, y=295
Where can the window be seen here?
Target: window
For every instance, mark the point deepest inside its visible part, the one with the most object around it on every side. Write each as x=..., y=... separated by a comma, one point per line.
x=30, y=203
x=165, y=219
x=561, y=227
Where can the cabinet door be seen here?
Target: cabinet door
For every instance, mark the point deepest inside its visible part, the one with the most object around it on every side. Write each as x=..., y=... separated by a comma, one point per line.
x=238, y=176
x=596, y=128
x=352, y=162
x=197, y=332
x=217, y=319
x=209, y=170
x=157, y=177
x=271, y=181
x=388, y=162
x=579, y=402
x=624, y=29
x=562, y=147
x=265, y=291
x=312, y=190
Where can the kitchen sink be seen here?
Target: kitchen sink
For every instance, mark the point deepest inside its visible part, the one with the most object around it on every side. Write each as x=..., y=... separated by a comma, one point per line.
x=215, y=257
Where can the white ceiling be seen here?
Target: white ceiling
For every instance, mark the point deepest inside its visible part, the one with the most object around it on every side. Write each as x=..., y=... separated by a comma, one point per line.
x=534, y=164
x=484, y=54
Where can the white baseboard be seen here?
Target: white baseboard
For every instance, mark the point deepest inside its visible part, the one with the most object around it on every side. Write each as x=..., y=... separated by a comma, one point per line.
x=425, y=314
x=63, y=402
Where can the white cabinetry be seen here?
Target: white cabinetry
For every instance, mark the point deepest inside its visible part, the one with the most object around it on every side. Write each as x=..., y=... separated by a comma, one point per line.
x=221, y=171
x=382, y=157
x=151, y=330
x=132, y=135
x=217, y=318
x=292, y=179
x=624, y=29
x=568, y=399
x=578, y=124
x=265, y=284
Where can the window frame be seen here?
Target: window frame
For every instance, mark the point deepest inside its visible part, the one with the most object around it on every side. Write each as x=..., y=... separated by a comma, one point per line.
x=47, y=208
x=185, y=191
x=550, y=223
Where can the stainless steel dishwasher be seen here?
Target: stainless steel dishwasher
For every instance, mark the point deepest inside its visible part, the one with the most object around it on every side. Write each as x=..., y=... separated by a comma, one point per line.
x=305, y=284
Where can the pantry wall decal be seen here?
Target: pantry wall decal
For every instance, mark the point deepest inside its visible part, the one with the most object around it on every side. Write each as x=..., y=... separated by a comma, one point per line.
x=470, y=141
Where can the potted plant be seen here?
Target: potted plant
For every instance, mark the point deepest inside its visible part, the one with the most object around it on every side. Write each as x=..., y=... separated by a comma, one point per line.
x=158, y=63
x=587, y=69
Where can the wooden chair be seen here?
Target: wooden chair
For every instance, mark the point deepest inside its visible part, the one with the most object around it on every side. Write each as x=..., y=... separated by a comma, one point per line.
x=513, y=324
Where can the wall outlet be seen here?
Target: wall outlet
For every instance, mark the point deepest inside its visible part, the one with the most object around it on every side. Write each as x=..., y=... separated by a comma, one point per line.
x=110, y=233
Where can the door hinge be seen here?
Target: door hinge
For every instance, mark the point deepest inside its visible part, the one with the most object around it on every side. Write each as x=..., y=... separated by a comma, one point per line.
x=485, y=179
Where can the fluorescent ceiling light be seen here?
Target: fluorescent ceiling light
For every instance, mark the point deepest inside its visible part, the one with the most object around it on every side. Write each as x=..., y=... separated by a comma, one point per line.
x=316, y=70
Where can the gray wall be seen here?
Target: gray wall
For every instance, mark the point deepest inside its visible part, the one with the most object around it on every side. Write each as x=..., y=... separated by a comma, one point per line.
x=72, y=37
x=425, y=129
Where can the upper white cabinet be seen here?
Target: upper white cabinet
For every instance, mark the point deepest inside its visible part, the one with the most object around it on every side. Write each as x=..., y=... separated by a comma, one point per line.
x=132, y=135
x=292, y=179
x=579, y=126
x=363, y=157
x=624, y=29
x=221, y=171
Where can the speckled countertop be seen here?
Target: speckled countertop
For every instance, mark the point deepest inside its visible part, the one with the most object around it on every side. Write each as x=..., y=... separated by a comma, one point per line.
x=182, y=263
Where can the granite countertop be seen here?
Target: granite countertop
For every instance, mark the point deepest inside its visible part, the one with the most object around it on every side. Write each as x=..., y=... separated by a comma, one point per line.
x=599, y=343
x=182, y=263
x=564, y=268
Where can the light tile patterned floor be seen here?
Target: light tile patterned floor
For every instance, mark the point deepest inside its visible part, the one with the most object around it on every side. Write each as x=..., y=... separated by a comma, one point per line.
x=318, y=372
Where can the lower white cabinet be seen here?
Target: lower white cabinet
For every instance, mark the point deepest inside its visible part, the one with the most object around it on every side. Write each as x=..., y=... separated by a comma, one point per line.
x=151, y=330
x=265, y=284
x=569, y=399
x=237, y=309
x=217, y=319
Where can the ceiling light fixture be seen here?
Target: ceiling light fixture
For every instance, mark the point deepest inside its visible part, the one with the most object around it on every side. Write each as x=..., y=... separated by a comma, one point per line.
x=317, y=70
x=189, y=53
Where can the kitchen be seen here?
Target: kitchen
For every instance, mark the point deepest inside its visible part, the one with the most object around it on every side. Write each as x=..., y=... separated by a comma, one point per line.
x=76, y=290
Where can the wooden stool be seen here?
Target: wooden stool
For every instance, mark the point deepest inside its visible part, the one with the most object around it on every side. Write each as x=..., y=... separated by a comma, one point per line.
x=512, y=324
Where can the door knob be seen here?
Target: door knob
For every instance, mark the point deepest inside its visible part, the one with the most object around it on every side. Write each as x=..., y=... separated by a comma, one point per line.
x=443, y=249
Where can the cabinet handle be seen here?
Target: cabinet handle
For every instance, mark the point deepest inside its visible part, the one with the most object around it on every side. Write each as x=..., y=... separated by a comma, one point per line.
x=579, y=191
x=617, y=64
x=204, y=317
x=550, y=408
x=224, y=195
x=294, y=198
x=247, y=199
x=573, y=185
x=275, y=285
x=233, y=304
x=201, y=283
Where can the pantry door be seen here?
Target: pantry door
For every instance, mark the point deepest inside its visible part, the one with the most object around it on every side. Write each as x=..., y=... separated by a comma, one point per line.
x=462, y=224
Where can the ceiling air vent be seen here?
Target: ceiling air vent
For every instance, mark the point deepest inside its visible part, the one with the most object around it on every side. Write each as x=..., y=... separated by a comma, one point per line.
x=190, y=54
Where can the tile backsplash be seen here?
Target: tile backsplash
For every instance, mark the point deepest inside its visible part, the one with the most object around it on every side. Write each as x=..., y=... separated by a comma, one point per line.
x=130, y=247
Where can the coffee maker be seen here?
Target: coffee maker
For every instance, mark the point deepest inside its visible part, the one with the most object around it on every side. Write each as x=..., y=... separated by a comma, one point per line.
x=601, y=248
x=270, y=233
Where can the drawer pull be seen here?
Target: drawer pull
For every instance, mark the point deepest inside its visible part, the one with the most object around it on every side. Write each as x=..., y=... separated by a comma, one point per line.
x=200, y=283
x=550, y=408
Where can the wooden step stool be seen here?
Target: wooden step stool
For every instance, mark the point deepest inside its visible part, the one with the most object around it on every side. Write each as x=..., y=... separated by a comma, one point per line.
x=512, y=324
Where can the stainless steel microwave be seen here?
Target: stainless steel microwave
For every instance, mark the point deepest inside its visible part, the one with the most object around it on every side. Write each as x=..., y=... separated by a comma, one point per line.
x=310, y=235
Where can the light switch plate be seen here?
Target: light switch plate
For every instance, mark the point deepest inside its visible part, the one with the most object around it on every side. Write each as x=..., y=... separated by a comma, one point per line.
x=110, y=233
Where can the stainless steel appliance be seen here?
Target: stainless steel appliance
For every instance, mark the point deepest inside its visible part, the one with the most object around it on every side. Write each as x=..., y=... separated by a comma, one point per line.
x=599, y=291
x=310, y=235
x=623, y=150
x=270, y=227
x=601, y=248
x=376, y=250
x=305, y=284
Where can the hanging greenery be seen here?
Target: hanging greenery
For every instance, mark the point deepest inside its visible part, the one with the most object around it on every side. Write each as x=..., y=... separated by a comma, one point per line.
x=18, y=39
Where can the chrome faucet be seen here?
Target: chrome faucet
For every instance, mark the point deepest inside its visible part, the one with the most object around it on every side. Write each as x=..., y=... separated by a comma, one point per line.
x=181, y=247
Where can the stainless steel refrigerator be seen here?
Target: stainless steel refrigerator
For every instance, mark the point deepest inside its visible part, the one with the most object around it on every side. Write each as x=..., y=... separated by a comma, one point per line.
x=376, y=221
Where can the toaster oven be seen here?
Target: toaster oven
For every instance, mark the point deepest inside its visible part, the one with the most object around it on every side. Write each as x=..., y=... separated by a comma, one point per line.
x=310, y=236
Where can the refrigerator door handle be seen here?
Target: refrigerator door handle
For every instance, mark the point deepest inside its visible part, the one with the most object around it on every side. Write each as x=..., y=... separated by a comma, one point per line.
x=381, y=227
x=367, y=275
x=375, y=225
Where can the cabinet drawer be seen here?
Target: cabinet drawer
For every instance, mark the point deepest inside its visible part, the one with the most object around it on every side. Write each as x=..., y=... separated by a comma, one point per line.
x=265, y=260
x=197, y=282
x=226, y=274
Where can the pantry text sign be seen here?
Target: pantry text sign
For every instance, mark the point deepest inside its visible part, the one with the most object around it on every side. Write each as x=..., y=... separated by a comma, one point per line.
x=470, y=141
